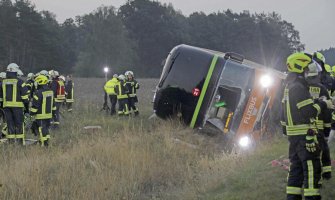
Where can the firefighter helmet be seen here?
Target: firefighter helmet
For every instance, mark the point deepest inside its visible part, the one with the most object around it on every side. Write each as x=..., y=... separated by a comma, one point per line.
x=19, y=72
x=319, y=57
x=44, y=72
x=3, y=75
x=41, y=80
x=115, y=76
x=30, y=75
x=13, y=67
x=122, y=77
x=62, y=78
x=297, y=62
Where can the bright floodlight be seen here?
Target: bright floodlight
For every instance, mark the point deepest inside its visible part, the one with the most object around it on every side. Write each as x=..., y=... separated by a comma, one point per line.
x=106, y=69
x=266, y=81
x=244, y=141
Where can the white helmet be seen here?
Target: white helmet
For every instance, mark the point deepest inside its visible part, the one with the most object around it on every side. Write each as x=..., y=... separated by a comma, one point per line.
x=19, y=73
x=122, y=77
x=44, y=72
x=53, y=73
x=115, y=76
x=13, y=67
x=30, y=75
x=3, y=75
x=129, y=73
x=62, y=78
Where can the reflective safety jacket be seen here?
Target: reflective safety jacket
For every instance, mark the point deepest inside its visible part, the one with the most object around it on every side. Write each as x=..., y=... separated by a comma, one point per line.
x=299, y=109
x=58, y=88
x=121, y=90
x=323, y=121
x=30, y=87
x=110, y=86
x=132, y=86
x=69, y=91
x=13, y=92
x=43, y=103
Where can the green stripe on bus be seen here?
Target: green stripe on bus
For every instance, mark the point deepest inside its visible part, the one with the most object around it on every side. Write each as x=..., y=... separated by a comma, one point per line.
x=203, y=91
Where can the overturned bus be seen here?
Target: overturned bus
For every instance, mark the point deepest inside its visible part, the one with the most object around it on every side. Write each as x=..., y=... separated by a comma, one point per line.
x=220, y=91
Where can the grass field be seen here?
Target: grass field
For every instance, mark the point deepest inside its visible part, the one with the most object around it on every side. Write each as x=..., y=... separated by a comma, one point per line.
x=137, y=158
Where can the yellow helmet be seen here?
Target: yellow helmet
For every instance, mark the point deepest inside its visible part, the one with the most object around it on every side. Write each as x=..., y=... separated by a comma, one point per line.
x=328, y=68
x=41, y=80
x=319, y=57
x=297, y=62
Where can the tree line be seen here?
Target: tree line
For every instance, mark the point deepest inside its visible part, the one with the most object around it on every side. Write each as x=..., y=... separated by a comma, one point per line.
x=137, y=36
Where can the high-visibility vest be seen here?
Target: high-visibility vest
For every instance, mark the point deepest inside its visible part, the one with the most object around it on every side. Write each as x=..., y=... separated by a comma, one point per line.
x=12, y=96
x=110, y=86
x=43, y=104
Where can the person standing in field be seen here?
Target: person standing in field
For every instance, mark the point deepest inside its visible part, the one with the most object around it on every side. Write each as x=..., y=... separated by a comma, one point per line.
x=14, y=99
x=69, y=92
x=122, y=96
x=299, y=115
x=58, y=87
x=132, y=86
x=109, y=89
x=43, y=106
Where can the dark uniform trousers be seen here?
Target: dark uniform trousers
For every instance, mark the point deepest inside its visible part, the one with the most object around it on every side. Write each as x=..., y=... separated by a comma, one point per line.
x=113, y=100
x=325, y=154
x=56, y=113
x=14, y=117
x=132, y=104
x=305, y=170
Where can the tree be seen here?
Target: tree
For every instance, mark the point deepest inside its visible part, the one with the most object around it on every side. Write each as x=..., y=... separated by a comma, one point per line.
x=104, y=43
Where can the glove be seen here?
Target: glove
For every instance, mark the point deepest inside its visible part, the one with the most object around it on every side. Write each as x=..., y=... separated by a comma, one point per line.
x=311, y=141
x=132, y=83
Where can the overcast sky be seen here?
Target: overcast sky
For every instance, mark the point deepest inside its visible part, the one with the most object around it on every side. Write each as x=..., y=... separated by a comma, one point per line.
x=314, y=19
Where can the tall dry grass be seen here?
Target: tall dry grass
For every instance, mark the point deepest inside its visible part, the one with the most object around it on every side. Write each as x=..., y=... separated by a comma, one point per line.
x=135, y=158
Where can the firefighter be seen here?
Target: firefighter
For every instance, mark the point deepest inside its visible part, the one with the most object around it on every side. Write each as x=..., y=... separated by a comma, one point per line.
x=42, y=108
x=132, y=86
x=323, y=121
x=109, y=89
x=122, y=96
x=30, y=85
x=326, y=78
x=299, y=112
x=69, y=89
x=58, y=87
x=14, y=96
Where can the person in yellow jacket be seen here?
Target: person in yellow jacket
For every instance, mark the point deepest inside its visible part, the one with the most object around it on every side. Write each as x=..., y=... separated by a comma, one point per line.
x=109, y=89
x=122, y=94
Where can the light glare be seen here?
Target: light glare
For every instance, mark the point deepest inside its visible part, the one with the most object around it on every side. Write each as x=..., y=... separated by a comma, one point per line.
x=266, y=81
x=244, y=141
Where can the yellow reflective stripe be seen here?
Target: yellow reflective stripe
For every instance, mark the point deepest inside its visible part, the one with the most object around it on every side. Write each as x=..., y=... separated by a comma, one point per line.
x=283, y=123
x=333, y=116
x=293, y=190
x=24, y=97
x=33, y=109
x=317, y=107
x=310, y=174
x=10, y=136
x=311, y=192
x=54, y=108
x=36, y=97
x=298, y=129
x=304, y=103
x=44, y=116
x=326, y=169
x=327, y=125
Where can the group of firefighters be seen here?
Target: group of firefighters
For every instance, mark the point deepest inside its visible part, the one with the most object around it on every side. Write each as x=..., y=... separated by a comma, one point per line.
x=122, y=89
x=308, y=119
x=39, y=98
